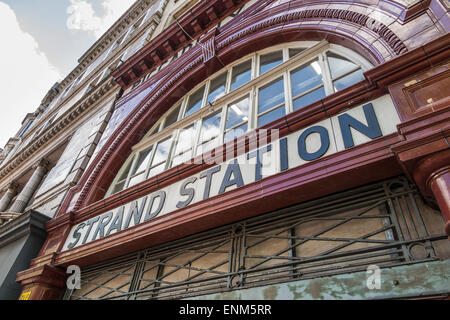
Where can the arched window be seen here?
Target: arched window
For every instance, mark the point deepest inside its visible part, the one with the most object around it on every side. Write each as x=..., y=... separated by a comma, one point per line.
x=247, y=94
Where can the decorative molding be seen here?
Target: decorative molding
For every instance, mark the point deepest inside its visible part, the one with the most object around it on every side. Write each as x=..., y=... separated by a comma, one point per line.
x=51, y=132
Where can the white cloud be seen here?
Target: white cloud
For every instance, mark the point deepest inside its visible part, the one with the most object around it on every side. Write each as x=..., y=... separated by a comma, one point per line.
x=83, y=17
x=26, y=74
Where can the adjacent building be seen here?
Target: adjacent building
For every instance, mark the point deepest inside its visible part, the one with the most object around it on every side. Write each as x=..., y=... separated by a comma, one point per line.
x=239, y=149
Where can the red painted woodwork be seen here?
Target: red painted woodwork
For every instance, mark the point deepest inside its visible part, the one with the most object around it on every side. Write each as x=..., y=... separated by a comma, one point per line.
x=420, y=149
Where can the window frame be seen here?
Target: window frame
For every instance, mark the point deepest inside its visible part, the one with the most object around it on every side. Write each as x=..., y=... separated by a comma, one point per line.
x=312, y=50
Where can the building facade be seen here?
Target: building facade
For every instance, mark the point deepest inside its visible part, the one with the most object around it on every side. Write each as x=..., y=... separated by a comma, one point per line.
x=240, y=149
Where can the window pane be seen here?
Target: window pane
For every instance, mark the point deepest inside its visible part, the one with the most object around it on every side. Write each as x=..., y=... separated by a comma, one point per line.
x=339, y=65
x=270, y=116
x=217, y=87
x=236, y=132
x=162, y=151
x=137, y=179
x=348, y=80
x=210, y=127
x=270, y=61
x=195, y=102
x=185, y=139
x=306, y=77
x=237, y=112
x=241, y=74
x=309, y=98
x=118, y=187
x=172, y=117
x=181, y=158
x=207, y=146
x=156, y=170
x=124, y=174
x=142, y=161
x=271, y=95
x=295, y=51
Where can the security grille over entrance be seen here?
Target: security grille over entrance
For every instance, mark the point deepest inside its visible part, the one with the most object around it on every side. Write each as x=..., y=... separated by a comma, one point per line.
x=386, y=224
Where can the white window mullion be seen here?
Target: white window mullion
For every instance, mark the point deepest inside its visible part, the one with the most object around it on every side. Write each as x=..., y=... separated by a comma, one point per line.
x=287, y=93
x=133, y=164
x=222, y=124
x=253, y=112
x=326, y=74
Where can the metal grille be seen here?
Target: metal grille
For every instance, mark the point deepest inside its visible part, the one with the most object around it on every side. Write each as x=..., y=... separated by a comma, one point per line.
x=382, y=224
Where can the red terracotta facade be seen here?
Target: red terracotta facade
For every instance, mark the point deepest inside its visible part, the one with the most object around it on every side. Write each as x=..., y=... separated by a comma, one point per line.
x=420, y=148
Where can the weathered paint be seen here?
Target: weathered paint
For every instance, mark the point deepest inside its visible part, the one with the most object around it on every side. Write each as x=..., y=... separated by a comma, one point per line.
x=431, y=278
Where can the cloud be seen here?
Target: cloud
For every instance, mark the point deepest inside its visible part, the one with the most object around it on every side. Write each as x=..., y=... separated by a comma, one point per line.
x=26, y=74
x=83, y=17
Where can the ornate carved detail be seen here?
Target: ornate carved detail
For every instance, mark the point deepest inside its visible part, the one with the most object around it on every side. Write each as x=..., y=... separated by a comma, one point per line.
x=169, y=80
x=334, y=14
x=131, y=123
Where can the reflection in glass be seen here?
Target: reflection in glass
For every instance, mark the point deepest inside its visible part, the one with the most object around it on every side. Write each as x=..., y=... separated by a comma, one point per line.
x=270, y=61
x=210, y=127
x=305, y=78
x=183, y=151
x=194, y=102
x=172, y=117
x=348, y=80
x=295, y=51
x=142, y=161
x=209, y=133
x=236, y=132
x=270, y=116
x=309, y=98
x=217, y=87
x=339, y=65
x=237, y=112
x=160, y=157
x=271, y=95
x=241, y=74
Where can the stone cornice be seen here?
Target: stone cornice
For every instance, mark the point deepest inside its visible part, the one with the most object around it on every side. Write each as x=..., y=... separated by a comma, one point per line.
x=52, y=131
x=108, y=37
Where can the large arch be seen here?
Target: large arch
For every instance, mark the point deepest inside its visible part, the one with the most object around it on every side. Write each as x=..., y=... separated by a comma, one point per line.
x=292, y=21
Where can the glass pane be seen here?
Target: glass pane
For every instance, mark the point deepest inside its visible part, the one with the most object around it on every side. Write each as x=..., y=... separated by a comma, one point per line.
x=241, y=74
x=181, y=158
x=172, y=117
x=118, y=187
x=186, y=139
x=295, y=51
x=217, y=87
x=207, y=146
x=142, y=161
x=237, y=112
x=236, y=132
x=162, y=151
x=210, y=127
x=270, y=61
x=271, y=95
x=195, y=102
x=309, y=98
x=348, y=80
x=136, y=179
x=270, y=116
x=124, y=173
x=339, y=65
x=306, y=77
x=156, y=170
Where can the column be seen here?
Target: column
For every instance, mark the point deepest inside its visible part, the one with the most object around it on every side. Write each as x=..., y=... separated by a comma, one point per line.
x=9, y=194
x=440, y=185
x=432, y=175
x=30, y=188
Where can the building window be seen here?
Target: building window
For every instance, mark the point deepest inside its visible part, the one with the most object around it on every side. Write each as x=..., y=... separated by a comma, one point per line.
x=247, y=94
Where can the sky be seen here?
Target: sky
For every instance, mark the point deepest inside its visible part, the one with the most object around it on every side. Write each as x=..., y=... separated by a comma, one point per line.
x=41, y=43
